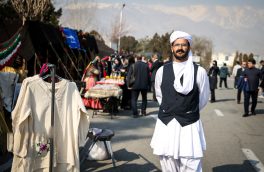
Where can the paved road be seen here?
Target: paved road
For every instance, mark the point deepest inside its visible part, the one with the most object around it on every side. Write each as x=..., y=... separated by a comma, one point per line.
x=233, y=142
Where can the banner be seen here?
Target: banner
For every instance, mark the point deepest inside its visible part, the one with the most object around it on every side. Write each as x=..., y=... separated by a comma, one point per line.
x=71, y=38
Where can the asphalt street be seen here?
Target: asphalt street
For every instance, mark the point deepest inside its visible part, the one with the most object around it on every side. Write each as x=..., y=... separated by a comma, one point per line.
x=234, y=143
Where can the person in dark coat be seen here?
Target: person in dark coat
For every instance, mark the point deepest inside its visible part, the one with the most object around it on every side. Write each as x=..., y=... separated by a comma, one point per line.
x=156, y=64
x=239, y=74
x=262, y=78
x=223, y=75
x=213, y=72
x=126, y=98
x=251, y=76
x=141, y=74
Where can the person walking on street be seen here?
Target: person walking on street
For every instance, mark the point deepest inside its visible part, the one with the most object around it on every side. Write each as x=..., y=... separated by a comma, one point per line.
x=239, y=74
x=126, y=98
x=140, y=71
x=234, y=73
x=156, y=64
x=213, y=72
x=223, y=75
x=251, y=77
x=182, y=91
x=261, y=85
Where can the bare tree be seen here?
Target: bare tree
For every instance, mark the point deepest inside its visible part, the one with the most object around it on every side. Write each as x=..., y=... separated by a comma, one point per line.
x=203, y=47
x=116, y=32
x=30, y=9
x=79, y=15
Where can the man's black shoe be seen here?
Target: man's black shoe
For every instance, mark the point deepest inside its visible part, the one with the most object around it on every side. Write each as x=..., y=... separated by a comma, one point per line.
x=245, y=115
x=253, y=113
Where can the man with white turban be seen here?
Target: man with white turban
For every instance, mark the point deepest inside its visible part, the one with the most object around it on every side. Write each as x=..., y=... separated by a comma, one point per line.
x=182, y=90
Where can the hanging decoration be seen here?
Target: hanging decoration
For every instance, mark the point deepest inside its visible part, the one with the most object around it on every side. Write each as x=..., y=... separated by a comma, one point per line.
x=9, y=49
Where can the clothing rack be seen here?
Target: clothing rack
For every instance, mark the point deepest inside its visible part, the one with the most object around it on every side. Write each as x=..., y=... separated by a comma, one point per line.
x=52, y=68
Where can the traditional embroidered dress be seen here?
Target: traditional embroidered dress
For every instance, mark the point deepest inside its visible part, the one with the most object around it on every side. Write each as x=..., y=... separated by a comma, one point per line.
x=32, y=123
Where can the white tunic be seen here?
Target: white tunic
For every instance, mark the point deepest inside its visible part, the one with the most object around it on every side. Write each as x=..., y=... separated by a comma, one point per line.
x=172, y=139
x=32, y=122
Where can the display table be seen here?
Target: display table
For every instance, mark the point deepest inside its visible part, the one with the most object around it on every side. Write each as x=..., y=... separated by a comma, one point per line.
x=118, y=82
x=104, y=91
x=103, y=95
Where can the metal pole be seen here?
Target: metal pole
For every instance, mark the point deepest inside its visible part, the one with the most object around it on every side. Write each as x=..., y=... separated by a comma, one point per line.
x=52, y=71
x=120, y=28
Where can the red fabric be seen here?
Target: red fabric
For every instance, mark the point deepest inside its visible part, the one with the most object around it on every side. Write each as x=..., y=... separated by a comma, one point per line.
x=92, y=103
x=105, y=74
x=106, y=58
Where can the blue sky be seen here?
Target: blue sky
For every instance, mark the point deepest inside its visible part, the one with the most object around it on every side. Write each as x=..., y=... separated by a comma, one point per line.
x=232, y=25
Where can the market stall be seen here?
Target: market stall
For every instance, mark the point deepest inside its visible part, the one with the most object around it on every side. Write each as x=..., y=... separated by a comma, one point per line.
x=104, y=95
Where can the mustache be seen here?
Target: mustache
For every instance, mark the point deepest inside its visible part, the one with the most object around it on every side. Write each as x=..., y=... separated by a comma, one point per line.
x=180, y=51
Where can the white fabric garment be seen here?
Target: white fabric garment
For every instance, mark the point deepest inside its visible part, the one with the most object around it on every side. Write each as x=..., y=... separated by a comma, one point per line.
x=168, y=164
x=236, y=67
x=32, y=123
x=186, y=70
x=173, y=139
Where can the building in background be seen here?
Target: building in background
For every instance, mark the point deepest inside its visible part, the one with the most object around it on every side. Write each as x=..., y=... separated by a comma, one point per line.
x=222, y=58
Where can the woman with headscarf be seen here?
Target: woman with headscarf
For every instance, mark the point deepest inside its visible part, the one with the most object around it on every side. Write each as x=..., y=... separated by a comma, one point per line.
x=117, y=65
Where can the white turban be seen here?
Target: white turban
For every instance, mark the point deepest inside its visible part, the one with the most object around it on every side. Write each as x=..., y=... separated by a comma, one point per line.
x=179, y=34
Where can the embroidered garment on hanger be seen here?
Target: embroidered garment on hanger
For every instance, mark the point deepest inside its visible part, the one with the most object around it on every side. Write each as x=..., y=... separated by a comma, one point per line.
x=31, y=124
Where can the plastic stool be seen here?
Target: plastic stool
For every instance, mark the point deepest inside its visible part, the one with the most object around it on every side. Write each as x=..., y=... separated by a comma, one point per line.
x=103, y=136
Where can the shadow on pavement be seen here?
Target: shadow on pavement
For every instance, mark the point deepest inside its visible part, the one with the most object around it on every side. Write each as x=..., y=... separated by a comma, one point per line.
x=124, y=163
x=245, y=167
x=224, y=100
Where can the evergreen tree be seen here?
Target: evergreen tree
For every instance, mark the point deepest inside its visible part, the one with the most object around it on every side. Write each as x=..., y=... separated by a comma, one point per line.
x=7, y=12
x=236, y=59
x=245, y=57
x=51, y=15
x=251, y=56
x=129, y=43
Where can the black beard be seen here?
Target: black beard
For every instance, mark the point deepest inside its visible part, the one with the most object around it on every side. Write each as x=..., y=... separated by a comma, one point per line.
x=183, y=56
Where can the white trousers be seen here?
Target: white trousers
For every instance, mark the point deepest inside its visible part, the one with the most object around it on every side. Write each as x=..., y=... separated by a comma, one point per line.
x=183, y=164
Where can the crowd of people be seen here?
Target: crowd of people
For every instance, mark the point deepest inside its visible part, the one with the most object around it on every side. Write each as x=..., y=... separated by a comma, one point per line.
x=139, y=74
x=247, y=80
x=128, y=66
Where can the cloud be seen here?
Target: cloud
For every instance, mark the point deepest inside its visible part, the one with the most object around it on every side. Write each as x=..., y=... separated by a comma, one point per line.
x=228, y=17
x=196, y=12
x=236, y=17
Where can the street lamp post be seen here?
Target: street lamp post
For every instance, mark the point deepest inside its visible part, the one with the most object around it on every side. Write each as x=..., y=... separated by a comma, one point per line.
x=120, y=27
